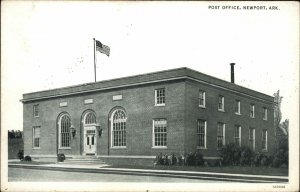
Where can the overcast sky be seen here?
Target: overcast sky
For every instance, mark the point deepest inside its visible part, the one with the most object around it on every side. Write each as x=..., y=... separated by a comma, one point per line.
x=46, y=45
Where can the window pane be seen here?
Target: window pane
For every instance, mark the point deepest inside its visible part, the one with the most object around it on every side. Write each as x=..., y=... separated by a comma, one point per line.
x=160, y=132
x=119, y=128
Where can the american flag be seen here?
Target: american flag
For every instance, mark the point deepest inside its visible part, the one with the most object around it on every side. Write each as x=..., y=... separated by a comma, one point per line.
x=102, y=48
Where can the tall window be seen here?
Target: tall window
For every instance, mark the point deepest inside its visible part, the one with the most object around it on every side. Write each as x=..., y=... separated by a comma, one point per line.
x=265, y=113
x=237, y=135
x=221, y=103
x=35, y=110
x=264, y=140
x=201, y=133
x=160, y=97
x=221, y=135
x=237, y=107
x=36, y=136
x=64, y=125
x=90, y=118
x=252, y=138
x=201, y=98
x=160, y=133
x=252, y=110
x=119, y=119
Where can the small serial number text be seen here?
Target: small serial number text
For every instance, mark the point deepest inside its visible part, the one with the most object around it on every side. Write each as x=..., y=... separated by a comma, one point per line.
x=279, y=186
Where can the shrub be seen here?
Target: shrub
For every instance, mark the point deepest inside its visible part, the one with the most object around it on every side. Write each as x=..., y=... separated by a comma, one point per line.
x=166, y=159
x=230, y=154
x=180, y=160
x=190, y=159
x=21, y=155
x=173, y=159
x=280, y=158
x=246, y=156
x=159, y=159
x=27, y=158
x=199, y=161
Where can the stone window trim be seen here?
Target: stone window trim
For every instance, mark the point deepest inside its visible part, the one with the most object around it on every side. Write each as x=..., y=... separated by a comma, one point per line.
x=36, y=110
x=265, y=140
x=221, y=103
x=64, y=136
x=160, y=97
x=202, y=99
x=36, y=137
x=265, y=113
x=237, y=135
x=252, y=110
x=221, y=128
x=159, y=133
x=118, y=129
x=201, y=144
x=238, y=107
x=252, y=138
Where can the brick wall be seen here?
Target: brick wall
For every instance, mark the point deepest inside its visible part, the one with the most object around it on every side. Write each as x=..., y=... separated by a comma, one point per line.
x=138, y=102
x=213, y=116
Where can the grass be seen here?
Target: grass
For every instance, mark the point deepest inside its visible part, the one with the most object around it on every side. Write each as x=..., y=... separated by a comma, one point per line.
x=224, y=169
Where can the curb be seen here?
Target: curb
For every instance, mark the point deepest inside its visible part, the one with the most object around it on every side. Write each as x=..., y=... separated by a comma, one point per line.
x=165, y=173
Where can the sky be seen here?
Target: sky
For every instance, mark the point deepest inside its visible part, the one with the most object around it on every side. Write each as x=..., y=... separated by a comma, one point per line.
x=46, y=45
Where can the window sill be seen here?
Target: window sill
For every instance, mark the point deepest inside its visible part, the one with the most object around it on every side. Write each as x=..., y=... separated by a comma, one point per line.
x=221, y=110
x=237, y=113
x=252, y=117
x=65, y=148
x=201, y=106
x=159, y=147
x=118, y=147
x=36, y=116
x=160, y=105
x=34, y=148
x=265, y=119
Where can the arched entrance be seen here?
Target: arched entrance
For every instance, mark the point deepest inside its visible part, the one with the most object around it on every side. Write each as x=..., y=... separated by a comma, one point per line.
x=89, y=133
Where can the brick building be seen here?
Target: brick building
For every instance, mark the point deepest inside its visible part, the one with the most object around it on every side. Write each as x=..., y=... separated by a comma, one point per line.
x=178, y=110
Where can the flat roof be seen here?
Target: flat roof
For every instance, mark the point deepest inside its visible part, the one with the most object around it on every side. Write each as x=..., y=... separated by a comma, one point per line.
x=143, y=79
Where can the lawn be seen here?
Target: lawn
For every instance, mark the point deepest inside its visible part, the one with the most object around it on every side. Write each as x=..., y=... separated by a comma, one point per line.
x=225, y=169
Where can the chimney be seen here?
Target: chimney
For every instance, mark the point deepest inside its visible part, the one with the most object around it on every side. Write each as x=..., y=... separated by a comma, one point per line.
x=232, y=72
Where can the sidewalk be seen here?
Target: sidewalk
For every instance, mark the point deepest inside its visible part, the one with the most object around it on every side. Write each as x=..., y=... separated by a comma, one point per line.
x=102, y=168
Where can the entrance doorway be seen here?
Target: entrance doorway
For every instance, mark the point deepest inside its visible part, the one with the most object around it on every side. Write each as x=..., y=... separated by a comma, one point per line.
x=90, y=140
x=89, y=133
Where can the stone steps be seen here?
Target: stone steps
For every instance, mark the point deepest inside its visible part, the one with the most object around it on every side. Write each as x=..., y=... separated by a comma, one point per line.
x=84, y=160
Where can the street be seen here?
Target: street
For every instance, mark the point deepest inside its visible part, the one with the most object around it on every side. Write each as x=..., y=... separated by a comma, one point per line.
x=21, y=174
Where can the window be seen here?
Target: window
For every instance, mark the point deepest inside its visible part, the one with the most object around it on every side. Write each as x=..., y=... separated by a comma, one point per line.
x=36, y=136
x=201, y=98
x=264, y=140
x=265, y=113
x=252, y=110
x=119, y=119
x=221, y=103
x=36, y=110
x=160, y=97
x=237, y=107
x=160, y=133
x=64, y=130
x=237, y=135
x=90, y=118
x=221, y=135
x=252, y=138
x=201, y=133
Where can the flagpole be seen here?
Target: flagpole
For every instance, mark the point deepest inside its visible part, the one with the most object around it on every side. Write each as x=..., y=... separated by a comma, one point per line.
x=94, y=58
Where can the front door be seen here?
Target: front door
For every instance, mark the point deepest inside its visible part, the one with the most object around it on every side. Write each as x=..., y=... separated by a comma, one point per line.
x=90, y=140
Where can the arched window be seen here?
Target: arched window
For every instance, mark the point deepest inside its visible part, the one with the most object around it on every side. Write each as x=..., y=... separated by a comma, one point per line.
x=64, y=131
x=118, y=121
x=90, y=118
